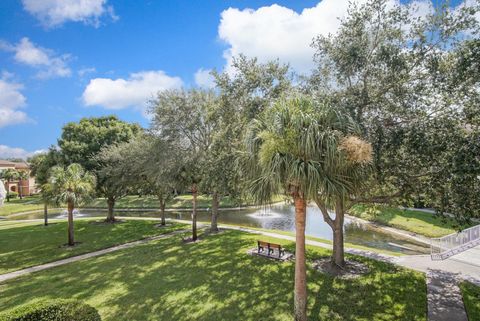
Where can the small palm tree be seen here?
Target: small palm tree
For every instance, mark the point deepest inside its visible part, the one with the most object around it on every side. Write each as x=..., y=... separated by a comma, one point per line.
x=71, y=186
x=9, y=175
x=22, y=176
x=288, y=150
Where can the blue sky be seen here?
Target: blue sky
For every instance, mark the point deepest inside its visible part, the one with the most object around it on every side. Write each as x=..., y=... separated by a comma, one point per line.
x=61, y=61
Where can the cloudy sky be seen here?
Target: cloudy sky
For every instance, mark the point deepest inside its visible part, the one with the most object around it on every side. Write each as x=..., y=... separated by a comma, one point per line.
x=61, y=60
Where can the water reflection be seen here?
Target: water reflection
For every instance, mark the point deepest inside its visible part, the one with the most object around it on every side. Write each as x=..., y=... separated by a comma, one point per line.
x=282, y=217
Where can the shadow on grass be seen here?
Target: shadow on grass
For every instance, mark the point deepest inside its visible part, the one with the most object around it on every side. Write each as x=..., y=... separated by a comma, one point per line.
x=216, y=280
x=30, y=245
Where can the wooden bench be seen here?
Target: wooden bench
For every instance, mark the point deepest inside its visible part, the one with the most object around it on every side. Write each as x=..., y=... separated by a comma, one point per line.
x=269, y=248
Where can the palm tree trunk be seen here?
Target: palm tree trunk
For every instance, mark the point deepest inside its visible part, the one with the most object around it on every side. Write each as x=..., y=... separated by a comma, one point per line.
x=71, y=240
x=162, y=209
x=215, y=203
x=194, y=212
x=111, y=205
x=300, y=293
x=338, y=256
x=45, y=213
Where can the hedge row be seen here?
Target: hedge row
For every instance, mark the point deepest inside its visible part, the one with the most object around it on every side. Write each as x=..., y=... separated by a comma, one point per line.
x=59, y=310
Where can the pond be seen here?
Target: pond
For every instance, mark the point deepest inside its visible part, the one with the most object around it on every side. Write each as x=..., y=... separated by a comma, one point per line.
x=282, y=217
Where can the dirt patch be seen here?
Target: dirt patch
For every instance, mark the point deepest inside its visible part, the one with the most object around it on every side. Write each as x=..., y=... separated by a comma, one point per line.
x=189, y=240
x=274, y=257
x=163, y=226
x=353, y=269
x=66, y=246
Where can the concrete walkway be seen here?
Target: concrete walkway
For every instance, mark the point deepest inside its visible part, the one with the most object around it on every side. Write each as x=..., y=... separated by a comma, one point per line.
x=15, y=274
x=444, y=298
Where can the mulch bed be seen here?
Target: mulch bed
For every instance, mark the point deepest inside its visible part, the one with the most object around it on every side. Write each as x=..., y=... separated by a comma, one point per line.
x=189, y=240
x=353, y=269
x=159, y=225
x=66, y=246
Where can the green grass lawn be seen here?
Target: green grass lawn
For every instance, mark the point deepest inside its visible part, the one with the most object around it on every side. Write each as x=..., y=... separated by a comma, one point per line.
x=33, y=203
x=471, y=298
x=216, y=279
x=24, y=244
x=181, y=201
x=17, y=205
x=414, y=221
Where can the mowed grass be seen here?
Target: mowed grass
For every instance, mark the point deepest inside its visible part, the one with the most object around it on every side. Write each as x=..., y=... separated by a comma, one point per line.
x=25, y=244
x=181, y=201
x=17, y=205
x=471, y=299
x=422, y=223
x=216, y=279
x=34, y=203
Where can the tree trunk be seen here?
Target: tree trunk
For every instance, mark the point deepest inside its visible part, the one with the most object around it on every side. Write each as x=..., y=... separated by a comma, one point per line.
x=338, y=256
x=215, y=202
x=71, y=240
x=111, y=205
x=194, y=212
x=45, y=214
x=300, y=294
x=162, y=209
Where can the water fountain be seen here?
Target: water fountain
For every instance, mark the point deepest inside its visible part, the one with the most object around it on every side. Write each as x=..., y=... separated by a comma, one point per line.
x=76, y=213
x=264, y=213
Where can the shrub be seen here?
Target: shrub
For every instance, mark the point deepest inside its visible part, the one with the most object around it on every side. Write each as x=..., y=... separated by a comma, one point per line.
x=59, y=310
x=12, y=194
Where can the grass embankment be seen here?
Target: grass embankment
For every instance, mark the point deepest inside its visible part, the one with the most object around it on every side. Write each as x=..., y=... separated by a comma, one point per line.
x=419, y=222
x=33, y=203
x=24, y=244
x=317, y=239
x=471, y=299
x=216, y=279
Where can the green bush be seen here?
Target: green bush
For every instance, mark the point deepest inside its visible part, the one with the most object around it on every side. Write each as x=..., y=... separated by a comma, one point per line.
x=59, y=310
x=12, y=194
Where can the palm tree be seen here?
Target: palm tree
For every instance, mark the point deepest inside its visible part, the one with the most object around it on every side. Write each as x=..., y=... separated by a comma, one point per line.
x=71, y=185
x=22, y=176
x=9, y=175
x=288, y=150
x=188, y=175
x=48, y=197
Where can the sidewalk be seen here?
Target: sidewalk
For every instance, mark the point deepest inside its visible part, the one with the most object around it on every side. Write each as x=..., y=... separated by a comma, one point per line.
x=15, y=274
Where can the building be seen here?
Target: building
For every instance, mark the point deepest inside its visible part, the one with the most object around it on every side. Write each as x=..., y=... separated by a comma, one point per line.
x=23, y=186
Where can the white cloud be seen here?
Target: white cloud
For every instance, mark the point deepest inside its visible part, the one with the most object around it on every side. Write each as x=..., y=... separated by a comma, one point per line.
x=85, y=71
x=11, y=101
x=203, y=78
x=52, y=13
x=277, y=32
x=16, y=152
x=45, y=60
x=132, y=92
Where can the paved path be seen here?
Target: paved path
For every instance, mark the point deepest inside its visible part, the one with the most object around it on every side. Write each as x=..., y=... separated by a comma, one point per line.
x=444, y=298
x=15, y=274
